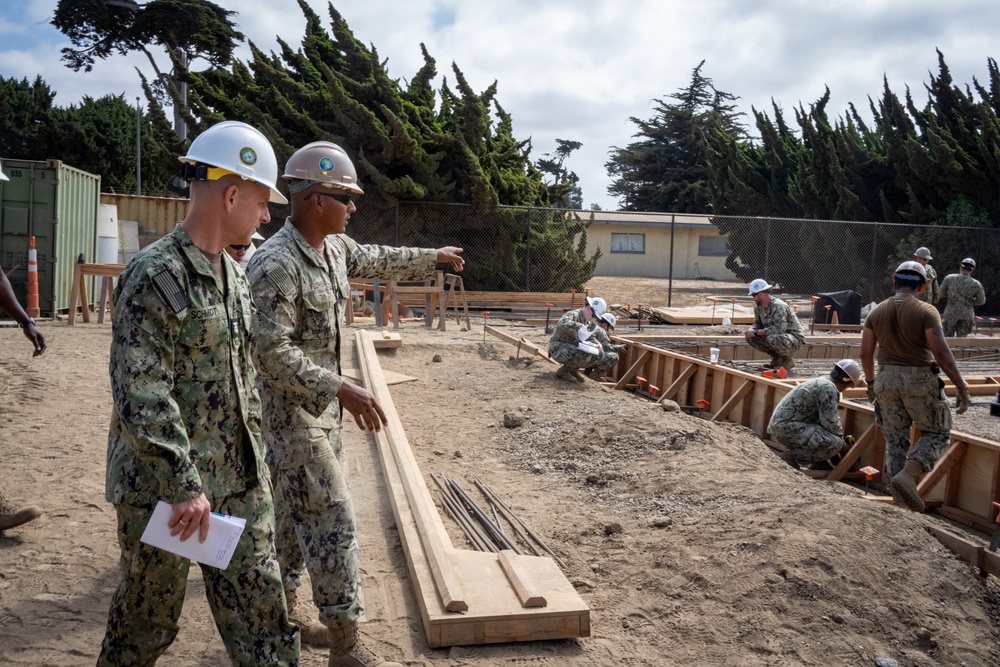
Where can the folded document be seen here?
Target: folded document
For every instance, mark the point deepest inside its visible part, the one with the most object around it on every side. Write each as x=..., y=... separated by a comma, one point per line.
x=217, y=549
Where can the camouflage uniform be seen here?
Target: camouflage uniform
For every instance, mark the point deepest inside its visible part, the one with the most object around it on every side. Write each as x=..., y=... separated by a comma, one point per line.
x=807, y=422
x=911, y=395
x=565, y=338
x=301, y=296
x=609, y=351
x=784, y=333
x=963, y=293
x=933, y=292
x=185, y=421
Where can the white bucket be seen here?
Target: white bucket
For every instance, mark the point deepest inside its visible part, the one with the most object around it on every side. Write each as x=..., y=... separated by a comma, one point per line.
x=107, y=234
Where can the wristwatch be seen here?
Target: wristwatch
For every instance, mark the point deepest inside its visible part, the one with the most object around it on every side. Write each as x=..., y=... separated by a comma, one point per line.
x=24, y=324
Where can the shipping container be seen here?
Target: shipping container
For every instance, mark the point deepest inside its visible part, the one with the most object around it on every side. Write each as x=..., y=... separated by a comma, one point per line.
x=57, y=204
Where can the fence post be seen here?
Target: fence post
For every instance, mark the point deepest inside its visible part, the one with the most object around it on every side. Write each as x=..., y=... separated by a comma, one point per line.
x=396, y=226
x=670, y=270
x=873, y=276
x=527, y=251
x=767, y=248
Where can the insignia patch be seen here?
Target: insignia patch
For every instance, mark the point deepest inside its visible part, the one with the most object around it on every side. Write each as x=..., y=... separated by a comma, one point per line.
x=248, y=155
x=281, y=280
x=326, y=164
x=170, y=290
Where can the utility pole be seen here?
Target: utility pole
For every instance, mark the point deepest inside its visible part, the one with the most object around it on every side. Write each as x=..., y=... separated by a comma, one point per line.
x=138, y=149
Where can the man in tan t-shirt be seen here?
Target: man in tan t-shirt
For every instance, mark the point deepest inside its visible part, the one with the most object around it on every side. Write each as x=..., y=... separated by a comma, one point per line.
x=907, y=391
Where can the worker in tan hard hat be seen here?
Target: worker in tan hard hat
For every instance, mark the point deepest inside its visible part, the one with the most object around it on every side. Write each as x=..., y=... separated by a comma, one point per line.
x=807, y=422
x=907, y=392
x=922, y=255
x=962, y=293
x=300, y=287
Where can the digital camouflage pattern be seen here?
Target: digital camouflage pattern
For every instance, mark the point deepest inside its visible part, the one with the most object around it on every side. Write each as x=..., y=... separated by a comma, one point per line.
x=301, y=295
x=565, y=338
x=932, y=294
x=784, y=332
x=609, y=351
x=906, y=397
x=185, y=421
x=963, y=293
x=807, y=422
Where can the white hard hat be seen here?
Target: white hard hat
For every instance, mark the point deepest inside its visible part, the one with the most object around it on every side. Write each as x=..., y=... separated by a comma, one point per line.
x=258, y=236
x=911, y=268
x=970, y=262
x=923, y=253
x=759, y=285
x=597, y=304
x=245, y=262
x=849, y=370
x=610, y=319
x=234, y=147
x=321, y=162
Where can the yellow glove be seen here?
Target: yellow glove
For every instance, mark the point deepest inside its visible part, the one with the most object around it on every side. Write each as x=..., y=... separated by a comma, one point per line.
x=963, y=401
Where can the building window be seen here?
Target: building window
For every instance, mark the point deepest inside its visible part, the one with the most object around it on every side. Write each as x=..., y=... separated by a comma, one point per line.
x=712, y=246
x=628, y=243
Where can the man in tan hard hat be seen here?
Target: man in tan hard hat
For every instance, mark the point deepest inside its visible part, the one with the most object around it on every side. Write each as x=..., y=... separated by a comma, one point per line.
x=807, y=420
x=922, y=255
x=300, y=286
x=907, y=391
x=962, y=293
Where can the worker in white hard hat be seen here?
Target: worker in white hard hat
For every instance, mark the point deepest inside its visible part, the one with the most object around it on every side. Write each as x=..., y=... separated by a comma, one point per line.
x=807, y=421
x=962, y=293
x=301, y=290
x=571, y=343
x=922, y=255
x=907, y=392
x=242, y=252
x=185, y=417
x=776, y=330
x=610, y=352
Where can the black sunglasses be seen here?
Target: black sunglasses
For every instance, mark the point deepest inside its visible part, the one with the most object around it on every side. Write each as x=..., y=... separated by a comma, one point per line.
x=343, y=199
x=237, y=246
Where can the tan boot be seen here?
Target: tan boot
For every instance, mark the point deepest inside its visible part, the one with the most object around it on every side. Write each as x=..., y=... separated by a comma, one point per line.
x=565, y=374
x=347, y=650
x=788, y=362
x=11, y=516
x=311, y=631
x=903, y=486
x=578, y=375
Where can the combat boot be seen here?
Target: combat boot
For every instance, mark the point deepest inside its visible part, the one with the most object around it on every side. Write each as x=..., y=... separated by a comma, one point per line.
x=311, y=631
x=578, y=375
x=771, y=365
x=346, y=650
x=788, y=362
x=11, y=516
x=788, y=458
x=565, y=374
x=903, y=486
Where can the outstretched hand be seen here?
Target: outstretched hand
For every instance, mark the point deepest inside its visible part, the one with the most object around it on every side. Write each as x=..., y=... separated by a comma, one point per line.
x=450, y=255
x=361, y=403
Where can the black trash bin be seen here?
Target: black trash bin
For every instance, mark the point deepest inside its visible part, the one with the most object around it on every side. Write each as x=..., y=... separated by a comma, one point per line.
x=846, y=304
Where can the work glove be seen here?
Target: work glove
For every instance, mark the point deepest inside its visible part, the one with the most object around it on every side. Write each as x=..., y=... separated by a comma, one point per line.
x=870, y=391
x=962, y=401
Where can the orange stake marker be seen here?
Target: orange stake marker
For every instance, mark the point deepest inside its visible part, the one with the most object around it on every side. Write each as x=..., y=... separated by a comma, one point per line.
x=869, y=472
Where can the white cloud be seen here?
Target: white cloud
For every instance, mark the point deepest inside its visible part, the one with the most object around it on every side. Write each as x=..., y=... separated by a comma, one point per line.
x=578, y=69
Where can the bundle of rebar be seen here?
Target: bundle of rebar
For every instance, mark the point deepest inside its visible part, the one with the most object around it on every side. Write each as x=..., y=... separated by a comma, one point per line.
x=484, y=533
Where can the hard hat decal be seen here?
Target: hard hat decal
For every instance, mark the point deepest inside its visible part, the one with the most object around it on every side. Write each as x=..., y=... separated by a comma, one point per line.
x=326, y=164
x=248, y=155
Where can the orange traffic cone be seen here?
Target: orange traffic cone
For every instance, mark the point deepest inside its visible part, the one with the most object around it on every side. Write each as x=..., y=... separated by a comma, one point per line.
x=32, y=285
x=835, y=321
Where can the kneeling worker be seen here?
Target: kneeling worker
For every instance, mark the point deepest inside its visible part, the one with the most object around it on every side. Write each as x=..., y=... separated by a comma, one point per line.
x=776, y=329
x=574, y=327
x=608, y=357
x=806, y=420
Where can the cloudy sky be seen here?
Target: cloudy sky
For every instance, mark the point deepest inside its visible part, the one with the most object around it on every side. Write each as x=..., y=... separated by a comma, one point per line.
x=578, y=69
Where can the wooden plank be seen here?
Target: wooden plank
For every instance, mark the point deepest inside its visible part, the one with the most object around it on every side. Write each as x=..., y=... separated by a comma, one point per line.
x=854, y=453
x=964, y=549
x=734, y=398
x=387, y=339
x=675, y=386
x=699, y=316
x=522, y=342
x=526, y=590
x=391, y=377
x=634, y=369
x=435, y=543
x=953, y=455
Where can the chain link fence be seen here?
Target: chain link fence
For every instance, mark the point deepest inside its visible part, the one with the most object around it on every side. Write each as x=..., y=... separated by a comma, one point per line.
x=545, y=250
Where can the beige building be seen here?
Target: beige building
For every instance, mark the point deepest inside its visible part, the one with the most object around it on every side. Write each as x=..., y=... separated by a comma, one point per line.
x=638, y=245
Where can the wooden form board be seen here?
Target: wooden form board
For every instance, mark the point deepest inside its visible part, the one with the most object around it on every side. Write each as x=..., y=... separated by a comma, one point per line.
x=735, y=348
x=701, y=316
x=471, y=582
x=964, y=492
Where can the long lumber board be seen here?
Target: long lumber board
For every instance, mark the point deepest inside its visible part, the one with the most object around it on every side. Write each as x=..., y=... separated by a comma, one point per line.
x=442, y=574
x=964, y=492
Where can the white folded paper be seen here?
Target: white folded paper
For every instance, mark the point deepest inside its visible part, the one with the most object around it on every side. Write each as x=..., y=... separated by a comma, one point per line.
x=217, y=549
x=589, y=348
x=583, y=333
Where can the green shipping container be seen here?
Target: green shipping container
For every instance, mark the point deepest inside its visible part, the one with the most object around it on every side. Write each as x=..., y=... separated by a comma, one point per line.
x=57, y=204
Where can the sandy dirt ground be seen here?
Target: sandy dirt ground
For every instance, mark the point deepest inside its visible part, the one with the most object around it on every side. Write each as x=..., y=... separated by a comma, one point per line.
x=692, y=543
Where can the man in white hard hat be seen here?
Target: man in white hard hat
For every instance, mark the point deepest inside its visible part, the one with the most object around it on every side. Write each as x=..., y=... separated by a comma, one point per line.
x=776, y=330
x=11, y=515
x=185, y=414
x=907, y=391
x=571, y=343
x=301, y=290
x=922, y=255
x=962, y=293
x=807, y=421
x=242, y=252
x=609, y=351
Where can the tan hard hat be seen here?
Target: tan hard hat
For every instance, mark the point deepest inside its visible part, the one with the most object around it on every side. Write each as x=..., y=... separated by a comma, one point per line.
x=968, y=262
x=849, y=368
x=923, y=253
x=323, y=163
